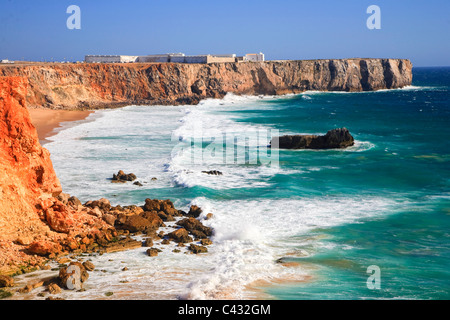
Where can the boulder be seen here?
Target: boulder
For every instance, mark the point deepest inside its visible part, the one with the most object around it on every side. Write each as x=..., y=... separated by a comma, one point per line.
x=153, y=252
x=63, y=197
x=166, y=206
x=148, y=242
x=334, y=139
x=192, y=225
x=53, y=288
x=206, y=242
x=109, y=219
x=154, y=220
x=58, y=217
x=73, y=276
x=136, y=223
x=180, y=235
x=89, y=266
x=29, y=287
x=123, y=177
x=209, y=216
x=44, y=248
x=74, y=202
x=194, y=211
x=103, y=204
x=197, y=249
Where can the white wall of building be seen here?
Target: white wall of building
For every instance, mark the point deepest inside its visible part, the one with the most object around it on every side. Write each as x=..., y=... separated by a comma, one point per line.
x=109, y=59
x=173, y=57
x=254, y=57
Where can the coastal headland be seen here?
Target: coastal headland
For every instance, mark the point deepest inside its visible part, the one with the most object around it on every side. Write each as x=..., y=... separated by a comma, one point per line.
x=90, y=86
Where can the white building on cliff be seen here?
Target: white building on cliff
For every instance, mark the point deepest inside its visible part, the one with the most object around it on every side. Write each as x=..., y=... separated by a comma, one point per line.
x=254, y=57
x=174, y=58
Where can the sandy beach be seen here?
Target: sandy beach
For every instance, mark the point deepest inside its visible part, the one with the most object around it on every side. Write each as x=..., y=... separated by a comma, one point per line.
x=47, y=120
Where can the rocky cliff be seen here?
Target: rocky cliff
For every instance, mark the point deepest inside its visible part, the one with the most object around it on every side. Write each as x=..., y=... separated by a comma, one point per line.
x=39, y=222
x=32, y=217
x=75, y=86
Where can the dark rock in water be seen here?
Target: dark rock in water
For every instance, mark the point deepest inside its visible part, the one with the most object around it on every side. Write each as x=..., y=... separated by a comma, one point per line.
x=137, y=183
x=180, y=235
x=206, y=242
x=197, y=249
x=334, y=139
x=74, y=202
x=121, y=177
x=213, y=172
x=192, y=225
x=135, y=223
x=194, y=211
x=153, y=252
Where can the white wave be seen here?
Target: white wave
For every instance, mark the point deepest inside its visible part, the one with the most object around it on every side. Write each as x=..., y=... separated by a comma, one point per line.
x=359, y=146
x=250, y=235
x=210, y=123
x=134, y=139
x=307, y=94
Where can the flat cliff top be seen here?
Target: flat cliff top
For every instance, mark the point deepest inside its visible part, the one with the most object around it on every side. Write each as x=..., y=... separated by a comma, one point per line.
x=105, y=85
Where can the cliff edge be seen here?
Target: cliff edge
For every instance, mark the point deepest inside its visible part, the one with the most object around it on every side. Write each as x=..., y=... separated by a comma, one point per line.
x=89, y=86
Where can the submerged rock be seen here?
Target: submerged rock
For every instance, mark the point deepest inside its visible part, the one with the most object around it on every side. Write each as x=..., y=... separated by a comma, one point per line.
x=334, y=139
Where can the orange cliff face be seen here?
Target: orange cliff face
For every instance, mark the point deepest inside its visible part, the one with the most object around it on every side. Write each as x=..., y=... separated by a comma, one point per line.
x=32, y=220
x=26, y=172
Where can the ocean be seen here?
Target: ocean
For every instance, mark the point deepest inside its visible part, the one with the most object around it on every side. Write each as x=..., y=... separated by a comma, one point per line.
x=368, y=222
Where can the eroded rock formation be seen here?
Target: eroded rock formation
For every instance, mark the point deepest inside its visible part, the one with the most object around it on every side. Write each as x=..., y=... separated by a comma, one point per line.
x=33, y=219
x=333, y=139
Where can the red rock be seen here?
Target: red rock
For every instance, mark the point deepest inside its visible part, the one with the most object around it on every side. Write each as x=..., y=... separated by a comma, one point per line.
x=180, y=235
x=58, y=218
x=44, y=248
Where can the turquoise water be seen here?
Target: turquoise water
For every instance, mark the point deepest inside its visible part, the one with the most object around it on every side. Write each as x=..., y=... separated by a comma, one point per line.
x=383, y=202
x=409, y=163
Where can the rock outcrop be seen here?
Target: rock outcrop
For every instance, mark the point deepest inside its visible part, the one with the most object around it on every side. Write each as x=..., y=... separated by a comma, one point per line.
x=89, y=86
x=33, y=219
x=27, y=178
x=334, y=139
x=122, y=177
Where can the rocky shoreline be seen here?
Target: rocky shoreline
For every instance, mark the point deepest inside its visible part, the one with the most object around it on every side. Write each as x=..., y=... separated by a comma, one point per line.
x=42, y=225
x=125, y=225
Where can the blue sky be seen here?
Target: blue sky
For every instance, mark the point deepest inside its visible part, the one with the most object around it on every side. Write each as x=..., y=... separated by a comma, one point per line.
x=282, y=29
